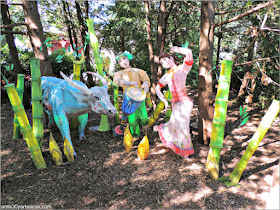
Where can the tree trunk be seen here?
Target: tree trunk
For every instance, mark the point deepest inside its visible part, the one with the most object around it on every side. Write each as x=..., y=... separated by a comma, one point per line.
x=73, y=30
x=160, y=37
x=205, y=92
x=83, y=29
x=67, y=22
x=87, y=57
x=220, y=36
x=122, y=35
x=10, y=39
x=37, y=37
x=157, y=70
x=150, y=43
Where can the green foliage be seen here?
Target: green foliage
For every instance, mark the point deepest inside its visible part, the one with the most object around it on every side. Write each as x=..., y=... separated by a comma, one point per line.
x=66, y=65
x=243, y=116
x=121, y=26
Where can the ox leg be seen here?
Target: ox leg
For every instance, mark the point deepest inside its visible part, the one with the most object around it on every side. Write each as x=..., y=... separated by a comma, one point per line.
x=82, y=125
x=63, y=125
x=50, y=118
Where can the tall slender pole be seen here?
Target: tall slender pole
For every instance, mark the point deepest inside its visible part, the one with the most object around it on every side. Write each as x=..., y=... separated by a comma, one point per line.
x=25, y=126
x=20, y=89
x=104, y=124
x=116, y=104
x=76, y=76
x=264, y=125
x=157, y=111
x=36, y=96
x=218, y=124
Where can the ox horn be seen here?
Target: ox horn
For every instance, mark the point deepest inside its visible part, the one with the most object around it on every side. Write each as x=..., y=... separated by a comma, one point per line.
x=75, y=85
x=102, y=79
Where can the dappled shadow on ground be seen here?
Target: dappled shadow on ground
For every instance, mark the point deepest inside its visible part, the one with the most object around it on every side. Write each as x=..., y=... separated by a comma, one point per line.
x=106, y=177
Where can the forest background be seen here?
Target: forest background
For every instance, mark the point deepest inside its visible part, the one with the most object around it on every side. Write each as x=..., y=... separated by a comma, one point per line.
x=248, y=32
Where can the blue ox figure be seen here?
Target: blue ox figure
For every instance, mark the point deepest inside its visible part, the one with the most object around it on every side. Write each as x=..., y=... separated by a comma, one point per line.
x=66, y=98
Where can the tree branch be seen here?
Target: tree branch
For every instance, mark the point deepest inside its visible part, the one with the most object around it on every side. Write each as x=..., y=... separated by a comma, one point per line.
x=260, y=59
x=13, y=32
x=260, y=6
x=12, y=3
x=226, y=12
x=12, y=25
x=274, y=64
x=250, y=45
x=267, y=79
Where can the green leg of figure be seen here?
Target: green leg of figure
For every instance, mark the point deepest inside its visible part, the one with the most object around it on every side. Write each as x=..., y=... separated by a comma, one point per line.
x=134, y=125
x=139, y=116
x=142, y=114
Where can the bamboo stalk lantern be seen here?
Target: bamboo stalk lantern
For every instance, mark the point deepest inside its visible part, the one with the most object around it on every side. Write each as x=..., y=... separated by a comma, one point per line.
x=55, y=151
x=143, y=148
x=116, y=104
x=148, y=100
x=264, y=125
x=36, y=96
x=127, y=139
x=104, y=124
x=218, y=124
x=77, y=70
x=20, y=88
x=157, y=111
x=169, y=111
x=26, y=129
x=77, y=76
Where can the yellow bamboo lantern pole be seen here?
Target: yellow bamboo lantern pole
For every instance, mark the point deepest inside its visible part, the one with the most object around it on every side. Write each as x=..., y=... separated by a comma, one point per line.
x=76, y=76
x=218, y=124
x=55, y=151
x=158, y=109
x=36, y=96
x=25, y=127
x=143, y=149
x=264, y=125
x=148, y=100
x=104, y=124
x=20, y=88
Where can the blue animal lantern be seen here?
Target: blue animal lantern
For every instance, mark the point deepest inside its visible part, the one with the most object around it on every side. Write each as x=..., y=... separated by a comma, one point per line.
x=66, y=98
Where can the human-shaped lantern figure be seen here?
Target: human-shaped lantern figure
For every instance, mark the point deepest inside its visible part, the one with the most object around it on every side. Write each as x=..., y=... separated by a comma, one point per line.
x=175, y=134
x=135, y=83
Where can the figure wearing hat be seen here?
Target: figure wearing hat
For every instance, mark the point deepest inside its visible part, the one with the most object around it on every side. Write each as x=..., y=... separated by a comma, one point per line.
x=135, y=83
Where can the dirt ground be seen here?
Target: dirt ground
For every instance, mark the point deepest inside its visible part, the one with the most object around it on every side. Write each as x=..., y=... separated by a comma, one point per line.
x=105, y=177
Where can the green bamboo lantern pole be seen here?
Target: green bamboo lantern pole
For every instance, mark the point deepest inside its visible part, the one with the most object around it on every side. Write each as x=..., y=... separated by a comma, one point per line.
x=264, y=125
x=76, y=76
x=36, y=96
x=116, y=104
x=158, y=109
x=169, y=111
x=20, y=88
x=218, y=124
x=104, y=125
x=25, y=127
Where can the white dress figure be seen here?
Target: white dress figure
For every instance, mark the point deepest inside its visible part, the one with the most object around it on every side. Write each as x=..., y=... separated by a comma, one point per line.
x=175, y=134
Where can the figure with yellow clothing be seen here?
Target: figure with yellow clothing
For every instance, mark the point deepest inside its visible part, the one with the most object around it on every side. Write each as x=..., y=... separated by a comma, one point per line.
x=135, y=83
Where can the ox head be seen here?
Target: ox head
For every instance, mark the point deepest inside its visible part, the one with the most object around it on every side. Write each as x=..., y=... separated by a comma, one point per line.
x=97, y=97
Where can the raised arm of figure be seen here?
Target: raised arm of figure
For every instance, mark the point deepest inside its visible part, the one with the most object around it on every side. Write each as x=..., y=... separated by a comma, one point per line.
x=188, y=60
